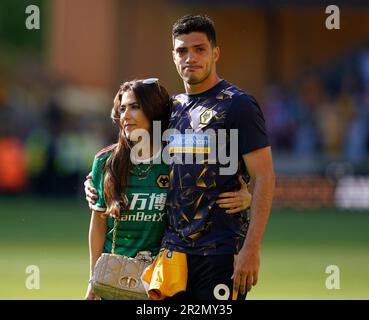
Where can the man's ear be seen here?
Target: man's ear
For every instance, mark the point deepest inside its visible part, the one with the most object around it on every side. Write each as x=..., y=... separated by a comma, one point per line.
x=216, y=53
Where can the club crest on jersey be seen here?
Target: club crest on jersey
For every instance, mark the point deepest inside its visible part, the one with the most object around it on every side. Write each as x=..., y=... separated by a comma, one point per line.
x=200, y=117
x=163, y=181
x=206, y=116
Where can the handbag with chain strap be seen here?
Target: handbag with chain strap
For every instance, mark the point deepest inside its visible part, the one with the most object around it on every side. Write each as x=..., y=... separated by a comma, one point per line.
x=118, y=277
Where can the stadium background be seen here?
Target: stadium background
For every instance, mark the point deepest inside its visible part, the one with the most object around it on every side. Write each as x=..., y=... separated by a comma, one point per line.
x=56, y=89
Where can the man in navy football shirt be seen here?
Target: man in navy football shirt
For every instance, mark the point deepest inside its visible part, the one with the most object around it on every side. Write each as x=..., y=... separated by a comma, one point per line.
x=197, y=223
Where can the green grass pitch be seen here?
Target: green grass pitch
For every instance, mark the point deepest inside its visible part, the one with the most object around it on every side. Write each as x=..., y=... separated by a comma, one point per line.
x=297, y=248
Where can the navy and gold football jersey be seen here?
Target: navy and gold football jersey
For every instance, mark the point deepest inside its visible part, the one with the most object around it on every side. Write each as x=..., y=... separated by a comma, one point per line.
x=196, y=224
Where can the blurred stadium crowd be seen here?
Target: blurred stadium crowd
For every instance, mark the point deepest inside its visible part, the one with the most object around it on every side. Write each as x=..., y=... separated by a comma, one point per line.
x=326, y=112
x=50, y=129
x=49, y=132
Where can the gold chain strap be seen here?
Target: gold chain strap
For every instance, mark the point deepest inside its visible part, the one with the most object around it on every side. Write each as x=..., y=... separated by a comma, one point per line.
x=115, y=229
x=114, y=235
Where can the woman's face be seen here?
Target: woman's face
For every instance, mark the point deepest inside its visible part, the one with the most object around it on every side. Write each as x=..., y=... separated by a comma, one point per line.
x=132, y=116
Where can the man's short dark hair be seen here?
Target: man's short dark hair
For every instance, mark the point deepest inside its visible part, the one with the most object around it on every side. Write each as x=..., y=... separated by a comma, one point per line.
x=198, y=23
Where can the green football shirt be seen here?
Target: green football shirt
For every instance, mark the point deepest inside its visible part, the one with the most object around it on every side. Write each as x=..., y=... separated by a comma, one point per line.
x=142, y=226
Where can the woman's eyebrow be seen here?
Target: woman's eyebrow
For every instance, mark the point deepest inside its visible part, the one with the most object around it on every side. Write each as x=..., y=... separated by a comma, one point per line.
x=130, y=104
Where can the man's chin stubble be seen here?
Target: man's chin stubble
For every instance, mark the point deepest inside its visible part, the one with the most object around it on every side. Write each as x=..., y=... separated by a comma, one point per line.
x=193, y=81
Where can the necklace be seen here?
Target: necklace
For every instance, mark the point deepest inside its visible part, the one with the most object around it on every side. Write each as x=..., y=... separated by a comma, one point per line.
x=141, y=170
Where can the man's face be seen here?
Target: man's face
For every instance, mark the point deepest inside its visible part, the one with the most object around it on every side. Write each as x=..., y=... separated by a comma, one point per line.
x=194, y=57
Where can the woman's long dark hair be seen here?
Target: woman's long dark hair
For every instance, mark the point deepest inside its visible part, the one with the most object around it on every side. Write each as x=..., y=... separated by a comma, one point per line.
x=155, y=103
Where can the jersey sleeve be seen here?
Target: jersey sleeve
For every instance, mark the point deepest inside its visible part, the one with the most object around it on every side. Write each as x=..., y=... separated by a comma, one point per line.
x=246, y=116
x=98, y=183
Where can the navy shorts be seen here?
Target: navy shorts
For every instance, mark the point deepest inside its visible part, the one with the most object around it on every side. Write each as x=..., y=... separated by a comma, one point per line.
x=209, y=278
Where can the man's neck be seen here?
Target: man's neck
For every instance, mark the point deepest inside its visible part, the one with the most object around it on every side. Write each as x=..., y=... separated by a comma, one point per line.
x=202, y=86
